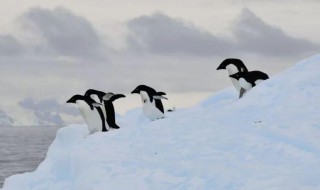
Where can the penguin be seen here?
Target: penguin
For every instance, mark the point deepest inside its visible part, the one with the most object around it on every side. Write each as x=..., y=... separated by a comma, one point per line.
x=97, y=96
x=233, y=66
x=248, y=80
x=91, y=112
x=109, y=108
x=151, y=101
x=106, y=99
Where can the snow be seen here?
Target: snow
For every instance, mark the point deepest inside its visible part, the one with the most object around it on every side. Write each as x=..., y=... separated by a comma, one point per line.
x=269, y=139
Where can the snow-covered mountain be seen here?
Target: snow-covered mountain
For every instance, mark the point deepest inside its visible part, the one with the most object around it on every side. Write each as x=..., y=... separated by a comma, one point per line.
x=5, y=119
x=45, y=112
x=270, y=139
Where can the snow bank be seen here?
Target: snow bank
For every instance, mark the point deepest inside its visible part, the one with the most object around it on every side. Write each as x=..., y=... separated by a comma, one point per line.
x=270, y=139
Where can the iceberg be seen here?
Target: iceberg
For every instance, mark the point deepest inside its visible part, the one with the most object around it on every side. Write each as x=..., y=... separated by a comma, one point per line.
x=269, y=139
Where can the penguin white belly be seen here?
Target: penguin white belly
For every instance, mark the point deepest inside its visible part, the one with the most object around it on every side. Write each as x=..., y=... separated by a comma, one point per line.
x=244, y=84
x=236, y=84
x=151, y=111
x=232, y=70
x=91, y=117
x=149, y=108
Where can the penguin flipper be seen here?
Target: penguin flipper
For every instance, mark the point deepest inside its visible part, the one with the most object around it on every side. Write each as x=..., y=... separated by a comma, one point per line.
x=242, y=91
x=96, y=104
x=158, y=97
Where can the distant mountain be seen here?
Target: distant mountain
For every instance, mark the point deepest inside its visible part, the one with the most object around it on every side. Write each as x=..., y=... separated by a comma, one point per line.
x=47, y=112
x=5, y=119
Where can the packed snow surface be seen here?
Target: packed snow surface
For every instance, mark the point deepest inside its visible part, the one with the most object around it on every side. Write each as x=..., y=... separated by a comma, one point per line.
x=269, y=139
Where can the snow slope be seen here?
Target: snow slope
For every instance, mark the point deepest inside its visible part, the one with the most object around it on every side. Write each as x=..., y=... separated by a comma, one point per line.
x=270, y=139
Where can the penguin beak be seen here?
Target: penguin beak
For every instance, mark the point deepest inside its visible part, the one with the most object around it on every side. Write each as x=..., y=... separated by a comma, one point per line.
x=69, y=101
x=117, y=96
x=233, y=76
x=220, y=67
x=120, y=96
x=135, y=91
x=161, y=93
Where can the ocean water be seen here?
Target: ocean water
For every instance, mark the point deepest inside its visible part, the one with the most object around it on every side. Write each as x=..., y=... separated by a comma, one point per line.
x=22, y=149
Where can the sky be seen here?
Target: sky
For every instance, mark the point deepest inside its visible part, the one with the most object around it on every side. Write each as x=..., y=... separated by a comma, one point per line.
x=51, y=50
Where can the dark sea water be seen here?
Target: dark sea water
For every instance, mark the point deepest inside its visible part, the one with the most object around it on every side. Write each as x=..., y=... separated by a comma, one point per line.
x=22, y=149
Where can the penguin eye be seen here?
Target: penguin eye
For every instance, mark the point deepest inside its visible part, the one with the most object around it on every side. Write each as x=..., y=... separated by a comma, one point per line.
x=144, y=101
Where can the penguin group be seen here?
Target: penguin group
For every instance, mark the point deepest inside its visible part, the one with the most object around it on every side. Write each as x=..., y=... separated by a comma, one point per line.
x=242, y=79
x=97, y=108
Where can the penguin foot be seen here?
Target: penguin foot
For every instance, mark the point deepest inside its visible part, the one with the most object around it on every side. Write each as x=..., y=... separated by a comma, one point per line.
x=115, y=127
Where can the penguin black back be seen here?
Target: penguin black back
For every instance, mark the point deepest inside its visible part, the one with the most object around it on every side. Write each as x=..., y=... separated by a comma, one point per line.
x=109, y=108
x=158, y=102
x=251, y=76
x=111, y=118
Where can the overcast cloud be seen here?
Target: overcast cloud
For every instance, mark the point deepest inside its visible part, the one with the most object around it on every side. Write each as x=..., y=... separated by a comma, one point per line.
x=65, y=33
x=9, y=46
x=255, y=36
x=161, y=34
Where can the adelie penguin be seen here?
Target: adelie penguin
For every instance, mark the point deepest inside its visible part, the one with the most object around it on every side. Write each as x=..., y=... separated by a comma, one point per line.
x=107, y=102
x=248, y=80
x=233, y=66
x=151, y=101
x=91, y=112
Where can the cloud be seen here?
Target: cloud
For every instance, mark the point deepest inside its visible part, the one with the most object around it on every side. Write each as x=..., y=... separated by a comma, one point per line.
x=161, y=34
x=9, y=46
x=164, y=35
x=255, y=36
x=64, y=32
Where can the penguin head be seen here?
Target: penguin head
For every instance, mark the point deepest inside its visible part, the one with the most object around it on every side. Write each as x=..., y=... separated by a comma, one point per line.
x=91, y=92
x=145, y=90
x=74, y=98
x=91, y=103
x=235, y=62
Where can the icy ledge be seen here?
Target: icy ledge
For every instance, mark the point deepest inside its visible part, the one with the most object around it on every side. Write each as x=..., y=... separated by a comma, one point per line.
x=270, y=139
